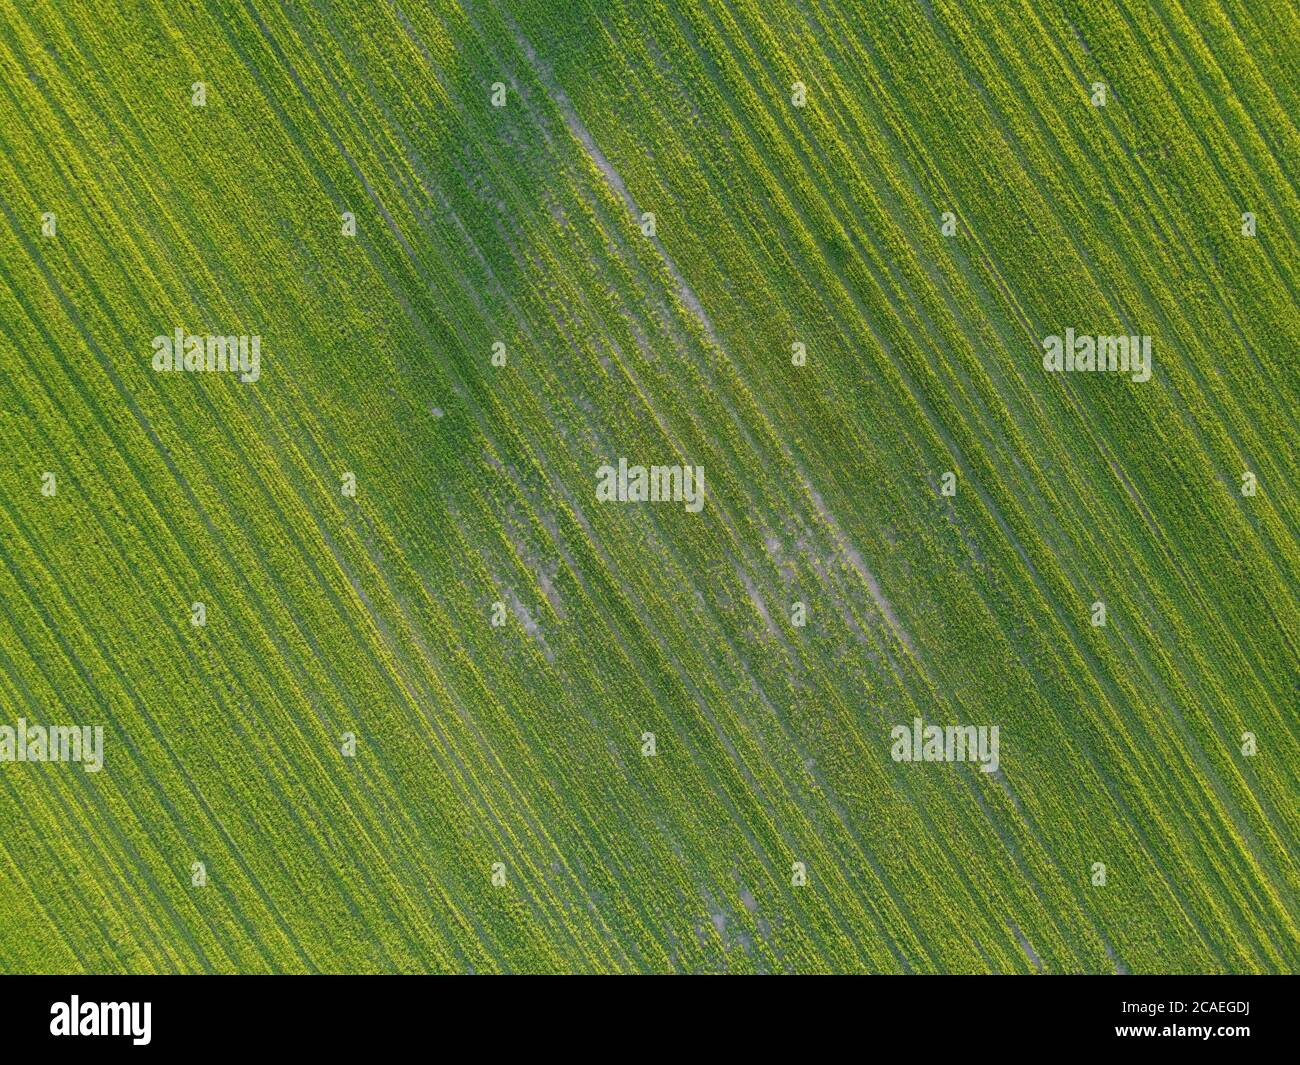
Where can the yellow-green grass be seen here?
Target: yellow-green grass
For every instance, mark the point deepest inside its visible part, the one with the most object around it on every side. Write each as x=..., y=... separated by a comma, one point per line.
x=521, y=744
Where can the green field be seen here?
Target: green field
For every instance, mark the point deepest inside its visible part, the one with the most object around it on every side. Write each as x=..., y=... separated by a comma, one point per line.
x=498, y=812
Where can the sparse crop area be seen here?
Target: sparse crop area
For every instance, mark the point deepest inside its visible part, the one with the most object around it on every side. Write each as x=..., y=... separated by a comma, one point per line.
x=383, y=683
